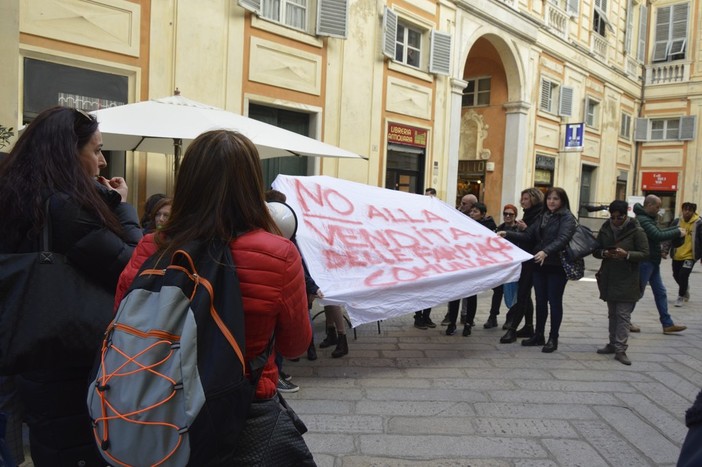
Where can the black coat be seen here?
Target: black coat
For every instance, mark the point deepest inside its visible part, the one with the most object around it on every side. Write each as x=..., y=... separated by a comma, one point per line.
x=54, y=400
x=550, y=233
x=691, y=453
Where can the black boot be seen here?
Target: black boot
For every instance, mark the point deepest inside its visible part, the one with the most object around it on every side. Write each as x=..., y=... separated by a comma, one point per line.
x=466, y=330
x=311, y=352
x=551, y=345
x=509, y=337
x=330, y=339
x=526, y=331
x=507, y=325
x=537, y=339
x=342, y=347
x=491, y=322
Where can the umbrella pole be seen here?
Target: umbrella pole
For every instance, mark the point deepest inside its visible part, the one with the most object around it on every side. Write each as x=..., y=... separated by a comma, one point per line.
x=177, y=149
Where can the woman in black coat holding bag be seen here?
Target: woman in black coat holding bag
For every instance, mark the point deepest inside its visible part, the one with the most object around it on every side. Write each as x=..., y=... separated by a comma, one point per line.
x=550, y=234
x=58, y=159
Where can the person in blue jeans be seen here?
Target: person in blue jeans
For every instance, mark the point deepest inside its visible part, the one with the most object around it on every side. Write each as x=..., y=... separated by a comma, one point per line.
x=650, y=269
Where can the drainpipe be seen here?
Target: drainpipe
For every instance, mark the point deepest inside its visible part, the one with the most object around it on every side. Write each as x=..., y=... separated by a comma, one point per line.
x=637, y=144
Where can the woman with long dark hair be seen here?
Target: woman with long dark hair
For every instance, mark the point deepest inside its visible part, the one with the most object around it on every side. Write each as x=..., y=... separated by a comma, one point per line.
x=219, y=196
x=550, y=233
x=57, y=159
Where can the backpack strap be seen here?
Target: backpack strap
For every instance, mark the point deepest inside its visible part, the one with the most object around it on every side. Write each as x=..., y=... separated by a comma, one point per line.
x=257, y=365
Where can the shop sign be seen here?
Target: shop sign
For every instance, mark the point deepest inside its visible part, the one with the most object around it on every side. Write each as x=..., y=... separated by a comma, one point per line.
x=574, y=135
x=659, y=181
x=403, y=134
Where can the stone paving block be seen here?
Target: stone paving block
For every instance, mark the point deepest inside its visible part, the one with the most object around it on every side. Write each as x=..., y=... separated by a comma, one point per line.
x=541, y=361
x=664, y=397
x=686, y=371
x=559, y=385
x=424, y=395
x=403, y=353
x=327, y=393
x=424, y=362
x=369, y=461
x=671, y=424
x=312, y=383
x=554, y=397
x=434, y=373
x=416, y=408
x=473, y=384
x=343, y=423
x=575, y=453
x=680, y=385
x=359, y=372
x=500, y=373
x=315, y=406
x=646, y=438
x=417, y=383
x=543, y=411
x=434, y=425
x=600, y=375
x=474, y=447
x=334, y=444
x=609, y=444
x=371, y=362
x=535, y=463
x=324, y=460
x=523, y=427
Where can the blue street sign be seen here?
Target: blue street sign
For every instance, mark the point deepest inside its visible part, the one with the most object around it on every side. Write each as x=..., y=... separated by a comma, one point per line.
x=574, y=135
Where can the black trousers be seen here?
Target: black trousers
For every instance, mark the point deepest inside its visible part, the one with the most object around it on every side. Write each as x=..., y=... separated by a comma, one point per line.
x=681, y=274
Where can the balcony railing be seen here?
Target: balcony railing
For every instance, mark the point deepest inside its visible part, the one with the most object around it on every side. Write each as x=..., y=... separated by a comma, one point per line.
x=668, y=72
x=557, y=20
x=599, y=46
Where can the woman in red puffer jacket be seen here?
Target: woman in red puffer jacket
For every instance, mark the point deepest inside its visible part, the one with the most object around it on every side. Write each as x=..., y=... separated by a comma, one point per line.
x=219, y=195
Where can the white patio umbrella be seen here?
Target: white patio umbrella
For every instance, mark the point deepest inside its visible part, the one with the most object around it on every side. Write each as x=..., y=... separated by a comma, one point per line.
x=169, y=124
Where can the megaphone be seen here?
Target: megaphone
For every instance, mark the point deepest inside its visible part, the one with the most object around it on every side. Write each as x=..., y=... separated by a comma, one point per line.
x=284, y=218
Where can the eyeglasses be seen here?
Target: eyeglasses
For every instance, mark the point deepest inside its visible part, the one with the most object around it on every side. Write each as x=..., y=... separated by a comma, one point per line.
x=617, y=218
x=508, y=214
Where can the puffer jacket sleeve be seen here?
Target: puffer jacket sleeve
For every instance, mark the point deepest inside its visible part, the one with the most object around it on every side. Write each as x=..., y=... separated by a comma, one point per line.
x=566, y=229
x=89, y=244
x=293, y=333
x=142, y=252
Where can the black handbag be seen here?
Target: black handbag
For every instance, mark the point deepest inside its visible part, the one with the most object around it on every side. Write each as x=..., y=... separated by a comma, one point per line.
x=574, y=268
x=51, y=314
x=582, y=243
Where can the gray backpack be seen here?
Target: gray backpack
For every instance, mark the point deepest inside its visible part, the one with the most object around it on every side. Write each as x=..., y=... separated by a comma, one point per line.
x=170, y=387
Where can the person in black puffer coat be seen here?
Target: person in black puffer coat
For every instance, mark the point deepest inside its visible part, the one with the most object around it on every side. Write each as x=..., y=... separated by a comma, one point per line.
x=532, y=202
x=691, y=453
x=58, y=158
x=550, y=233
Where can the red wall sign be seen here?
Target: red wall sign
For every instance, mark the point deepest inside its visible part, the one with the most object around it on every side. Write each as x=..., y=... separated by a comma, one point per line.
x=404, y=134
x=659, y=181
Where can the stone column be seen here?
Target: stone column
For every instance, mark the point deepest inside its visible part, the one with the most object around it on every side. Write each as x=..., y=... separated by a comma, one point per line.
x=515, y=171
x=457, y=87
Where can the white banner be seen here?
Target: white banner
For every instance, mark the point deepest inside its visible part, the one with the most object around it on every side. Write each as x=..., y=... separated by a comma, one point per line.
x=384, y=253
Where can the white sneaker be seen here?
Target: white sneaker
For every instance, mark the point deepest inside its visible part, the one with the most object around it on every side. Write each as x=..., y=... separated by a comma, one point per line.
x=679, y=302
x=687, y=295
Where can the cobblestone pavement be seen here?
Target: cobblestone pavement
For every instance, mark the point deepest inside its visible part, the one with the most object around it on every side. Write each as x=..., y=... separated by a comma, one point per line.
x=408, y=397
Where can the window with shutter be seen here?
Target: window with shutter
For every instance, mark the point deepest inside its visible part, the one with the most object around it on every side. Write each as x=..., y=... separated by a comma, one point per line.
x=389, y=32
x=671, y=33
x=687, y=127
x=641, y=130
x=643, y=19
x=251, y=5
x=547, y=95
x=625, y=126
x=573, y=7
x=565, y=104
x=440, y=60
x=629, y=26
x=592, y=109
x=332, y=18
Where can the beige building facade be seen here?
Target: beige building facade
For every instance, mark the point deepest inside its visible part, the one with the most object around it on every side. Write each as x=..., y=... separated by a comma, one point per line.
x=601, y=97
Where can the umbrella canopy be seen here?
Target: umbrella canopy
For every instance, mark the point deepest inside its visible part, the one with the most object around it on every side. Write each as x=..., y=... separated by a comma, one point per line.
x=163, y=125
